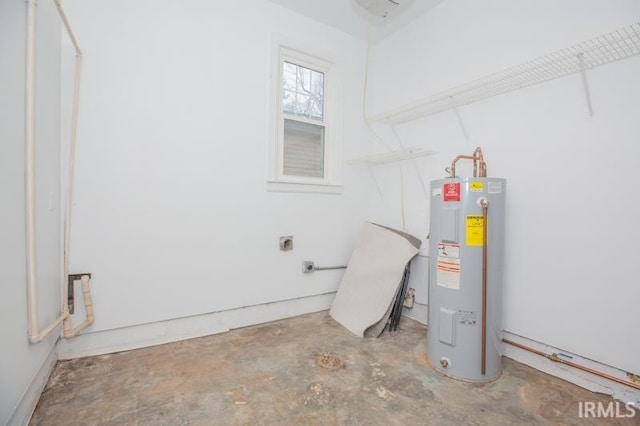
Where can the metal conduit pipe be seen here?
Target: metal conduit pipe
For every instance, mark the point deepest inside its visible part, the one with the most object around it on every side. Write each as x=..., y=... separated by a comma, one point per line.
x=35, y=336
x=555, y=358
x=72, y=139
x=69, y=331
x=327, y=268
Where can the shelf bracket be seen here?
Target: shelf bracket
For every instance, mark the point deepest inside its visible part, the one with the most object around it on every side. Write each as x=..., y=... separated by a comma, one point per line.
x=455, y=110
x=413, y=161
x=585, y=83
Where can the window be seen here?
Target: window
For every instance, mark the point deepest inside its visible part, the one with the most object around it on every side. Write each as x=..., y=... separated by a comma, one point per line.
x=306, y=142
x=303, y=121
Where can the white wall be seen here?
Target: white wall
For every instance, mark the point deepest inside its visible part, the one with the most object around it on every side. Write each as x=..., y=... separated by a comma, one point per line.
x=171, y=212
x=571, y=239
x=21, y=363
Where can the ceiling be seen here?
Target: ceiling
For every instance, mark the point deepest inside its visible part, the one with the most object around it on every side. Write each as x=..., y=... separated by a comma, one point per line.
x=348, y=16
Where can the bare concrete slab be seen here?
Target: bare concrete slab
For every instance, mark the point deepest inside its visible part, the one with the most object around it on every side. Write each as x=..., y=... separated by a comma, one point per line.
x=307, y=370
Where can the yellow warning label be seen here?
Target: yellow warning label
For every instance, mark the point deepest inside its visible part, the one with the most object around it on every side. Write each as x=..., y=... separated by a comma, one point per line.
x=474, y=229
x=476, y=186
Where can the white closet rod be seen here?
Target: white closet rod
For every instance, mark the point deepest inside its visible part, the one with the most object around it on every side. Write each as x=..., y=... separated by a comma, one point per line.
x=610, y=47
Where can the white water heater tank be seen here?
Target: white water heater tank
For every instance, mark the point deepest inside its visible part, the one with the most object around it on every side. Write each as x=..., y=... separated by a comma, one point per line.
x=465, y=303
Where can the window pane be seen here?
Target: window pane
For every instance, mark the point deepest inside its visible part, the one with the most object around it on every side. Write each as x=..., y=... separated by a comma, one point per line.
x=289, y=101
x=302, y=91
x=303, y=149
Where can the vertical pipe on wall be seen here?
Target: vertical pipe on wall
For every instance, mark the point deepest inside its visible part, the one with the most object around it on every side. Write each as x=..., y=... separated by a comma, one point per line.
x=413, y=161
x=30, y=197
x=69, y=331
x=485, y=207
x=32, y=272
x=30, y=100
x=35, y=335
x=72, y=139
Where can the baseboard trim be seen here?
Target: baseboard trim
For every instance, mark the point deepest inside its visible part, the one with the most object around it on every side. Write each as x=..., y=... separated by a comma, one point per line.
x=27, y=405
x=158, y=333
x=578, y=377
x=418, y=312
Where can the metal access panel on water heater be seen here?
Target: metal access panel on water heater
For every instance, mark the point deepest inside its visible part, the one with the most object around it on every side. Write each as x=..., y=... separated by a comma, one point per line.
x=454, y=336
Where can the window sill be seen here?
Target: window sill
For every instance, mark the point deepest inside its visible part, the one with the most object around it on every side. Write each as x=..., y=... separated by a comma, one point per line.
x=292, y=186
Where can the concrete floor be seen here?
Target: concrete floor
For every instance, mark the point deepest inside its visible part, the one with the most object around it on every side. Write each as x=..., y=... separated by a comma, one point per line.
x=268, y=374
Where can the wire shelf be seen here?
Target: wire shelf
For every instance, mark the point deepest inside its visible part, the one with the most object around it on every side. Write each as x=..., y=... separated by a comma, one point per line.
x=390, y=157
x=607, y=48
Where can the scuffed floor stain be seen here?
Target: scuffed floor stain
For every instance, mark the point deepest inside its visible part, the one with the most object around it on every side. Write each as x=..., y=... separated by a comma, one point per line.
x=425, y=360
x=318, y=395
x=384, y=393
x=269, y=374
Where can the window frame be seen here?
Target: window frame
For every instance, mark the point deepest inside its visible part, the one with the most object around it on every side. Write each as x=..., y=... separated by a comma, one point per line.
x=331, y=180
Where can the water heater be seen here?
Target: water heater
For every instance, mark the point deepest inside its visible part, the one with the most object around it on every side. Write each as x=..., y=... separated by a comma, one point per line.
x=465, y=274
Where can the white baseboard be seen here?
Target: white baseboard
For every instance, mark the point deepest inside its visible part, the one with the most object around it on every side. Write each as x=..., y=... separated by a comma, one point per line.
x=27, y=405
x=581, y=378
x=418, y=312
x=158, y=333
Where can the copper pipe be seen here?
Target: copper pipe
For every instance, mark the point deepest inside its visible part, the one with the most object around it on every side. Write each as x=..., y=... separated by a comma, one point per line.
x=483, y=166
x=455, y=160
x=555, y=358
x=479, y=166
x=526, y=348
x=485, y=207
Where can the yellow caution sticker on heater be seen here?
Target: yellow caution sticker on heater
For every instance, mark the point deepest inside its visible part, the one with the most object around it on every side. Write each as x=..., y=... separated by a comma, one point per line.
x=474, y=228
x=477, y=186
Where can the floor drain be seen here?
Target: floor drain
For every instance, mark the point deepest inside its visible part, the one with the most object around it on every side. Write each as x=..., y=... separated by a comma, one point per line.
x=329, y=361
